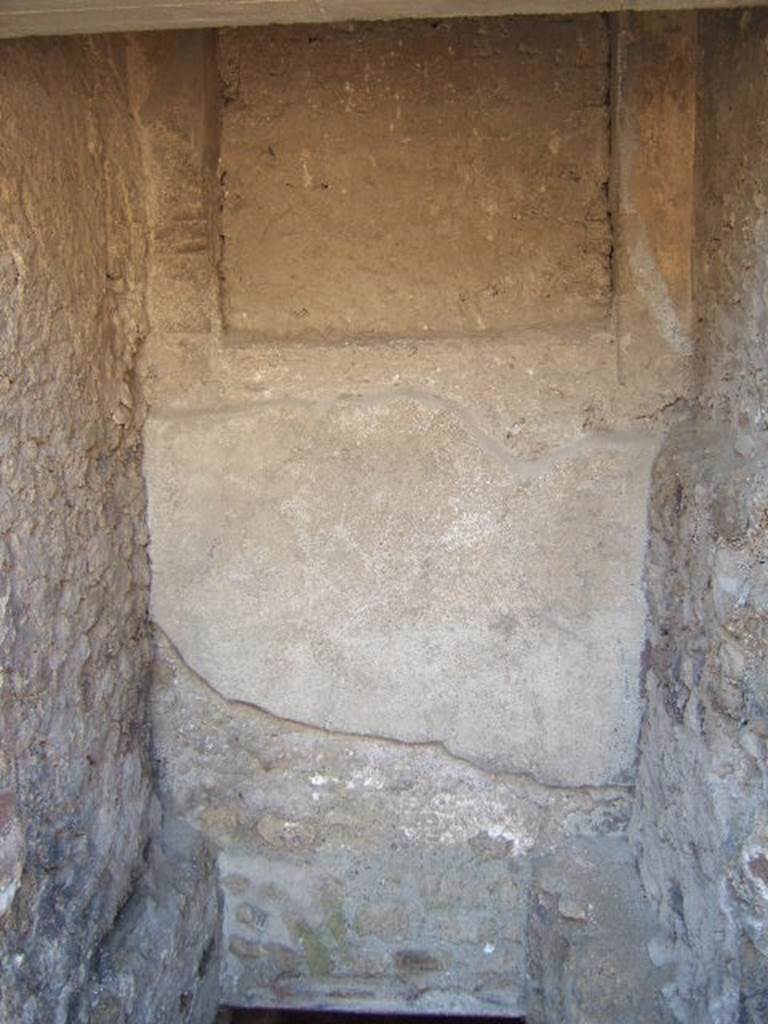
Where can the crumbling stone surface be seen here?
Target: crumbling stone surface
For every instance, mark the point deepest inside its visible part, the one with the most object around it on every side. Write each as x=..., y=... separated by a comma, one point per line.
x=361, y=873
x=589, y=931
x=160, y=963
x=75, y=775
x=700, y=822
x=75, y=651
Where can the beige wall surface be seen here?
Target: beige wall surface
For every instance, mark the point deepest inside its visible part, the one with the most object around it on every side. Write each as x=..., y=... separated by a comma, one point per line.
x=397, y=573
x=431, y=538
x=414, y=178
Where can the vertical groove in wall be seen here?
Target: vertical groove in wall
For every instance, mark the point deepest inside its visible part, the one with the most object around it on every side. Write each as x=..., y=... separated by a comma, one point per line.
x=699, y=202
x=225, y=92
x=133, y=63
x=615, y=185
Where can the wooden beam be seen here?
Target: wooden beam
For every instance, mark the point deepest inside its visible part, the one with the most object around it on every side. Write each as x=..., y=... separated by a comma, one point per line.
x=70, y=17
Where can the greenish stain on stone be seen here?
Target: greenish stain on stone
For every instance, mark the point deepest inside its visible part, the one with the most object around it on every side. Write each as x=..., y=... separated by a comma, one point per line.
x=318, y=957
x=337, y=925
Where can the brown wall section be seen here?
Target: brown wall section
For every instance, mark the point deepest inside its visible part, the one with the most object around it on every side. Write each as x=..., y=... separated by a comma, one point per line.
x=177, y=105
x=654, y=125
x=417, y=178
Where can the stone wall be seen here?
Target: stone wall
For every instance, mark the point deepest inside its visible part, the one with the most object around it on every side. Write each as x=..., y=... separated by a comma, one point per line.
x=79, y=827
x=414, y=313
x=362, y=873
x=397, y=572
x=700, y=822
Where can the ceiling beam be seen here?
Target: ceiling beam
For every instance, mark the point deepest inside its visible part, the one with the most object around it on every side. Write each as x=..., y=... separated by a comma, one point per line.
x=68, y=17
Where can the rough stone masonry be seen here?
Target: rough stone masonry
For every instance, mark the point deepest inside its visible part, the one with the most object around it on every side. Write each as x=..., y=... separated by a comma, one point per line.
x=426, y=362
x=398, y=463
x=84, y=855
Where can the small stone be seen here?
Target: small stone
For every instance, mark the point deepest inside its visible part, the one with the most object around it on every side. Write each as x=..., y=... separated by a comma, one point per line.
x=416, y=961
x=11, y=851
x=245, y=948
x=574, y=910
x=251, y=915
x=388, y=921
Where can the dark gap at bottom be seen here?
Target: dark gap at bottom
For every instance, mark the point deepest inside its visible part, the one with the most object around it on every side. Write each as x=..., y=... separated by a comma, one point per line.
x=277, y=1016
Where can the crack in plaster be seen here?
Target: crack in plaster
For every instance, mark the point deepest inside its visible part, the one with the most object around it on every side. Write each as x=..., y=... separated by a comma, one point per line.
x=519, y=778
x=525, y=468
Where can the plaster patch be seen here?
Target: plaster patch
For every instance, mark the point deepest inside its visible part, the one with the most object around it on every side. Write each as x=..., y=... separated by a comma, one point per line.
x=408, y=578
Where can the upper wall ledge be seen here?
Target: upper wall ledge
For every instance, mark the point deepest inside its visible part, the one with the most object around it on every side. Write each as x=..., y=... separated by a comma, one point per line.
x=60, y=17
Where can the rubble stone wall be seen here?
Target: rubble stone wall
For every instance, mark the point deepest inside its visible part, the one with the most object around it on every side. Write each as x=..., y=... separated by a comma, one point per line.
x=78, y=821
x=700, y=821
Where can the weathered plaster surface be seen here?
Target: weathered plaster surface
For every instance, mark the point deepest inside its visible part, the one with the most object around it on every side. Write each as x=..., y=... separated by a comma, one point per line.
x=700, y=822
x=407, y=191
x=400, y=578
x=76, y=810
x=411, y=538
x=175, y=83
x=379, y=555
x=378, y=565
